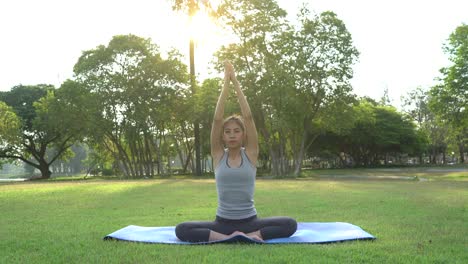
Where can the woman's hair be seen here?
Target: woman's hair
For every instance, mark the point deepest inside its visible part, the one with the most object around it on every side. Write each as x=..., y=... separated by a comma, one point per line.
x=236, y=118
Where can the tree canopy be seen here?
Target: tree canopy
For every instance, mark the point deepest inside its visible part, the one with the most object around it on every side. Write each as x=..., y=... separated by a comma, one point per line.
x=135, y=109
x=449, y=99
x=37, y=120
x=135, y=91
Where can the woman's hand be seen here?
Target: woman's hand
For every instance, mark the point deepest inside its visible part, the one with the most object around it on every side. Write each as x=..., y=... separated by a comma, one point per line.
x=229, y=73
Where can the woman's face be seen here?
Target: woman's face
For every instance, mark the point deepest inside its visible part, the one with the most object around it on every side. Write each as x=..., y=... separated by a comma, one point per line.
x=232, y=135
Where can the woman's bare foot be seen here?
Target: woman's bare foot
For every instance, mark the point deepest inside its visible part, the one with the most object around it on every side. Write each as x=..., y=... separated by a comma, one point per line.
x=256, y=236
x=236, y=233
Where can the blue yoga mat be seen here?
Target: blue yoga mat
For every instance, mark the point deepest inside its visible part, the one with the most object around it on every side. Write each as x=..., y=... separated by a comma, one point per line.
x=312, y=233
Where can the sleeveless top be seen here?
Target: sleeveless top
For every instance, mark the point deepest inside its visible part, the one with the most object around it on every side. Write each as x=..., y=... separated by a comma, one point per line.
x=235, y=188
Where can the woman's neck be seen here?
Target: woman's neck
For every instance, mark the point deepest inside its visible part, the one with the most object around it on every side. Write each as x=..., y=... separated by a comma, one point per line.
x=234, y=153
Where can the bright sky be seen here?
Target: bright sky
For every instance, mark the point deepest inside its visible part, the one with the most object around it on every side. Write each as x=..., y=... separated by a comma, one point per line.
x=400, y=41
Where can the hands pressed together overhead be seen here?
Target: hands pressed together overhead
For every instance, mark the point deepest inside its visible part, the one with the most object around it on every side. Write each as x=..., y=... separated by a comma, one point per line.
x=229, y=73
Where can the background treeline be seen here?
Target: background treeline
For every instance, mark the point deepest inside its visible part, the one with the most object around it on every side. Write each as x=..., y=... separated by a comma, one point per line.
x=129, y=109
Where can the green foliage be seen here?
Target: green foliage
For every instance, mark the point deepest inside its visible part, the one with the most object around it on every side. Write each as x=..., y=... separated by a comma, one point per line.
x=98, y=160
x=205, y=100
x=72, y=161
x=449, y=99
x=376, y=132
x=432, y=131
x=9, y=126
x=135, y=94
x=45, y=124
x=22, y=97
x=416, y=105
x=295, y=77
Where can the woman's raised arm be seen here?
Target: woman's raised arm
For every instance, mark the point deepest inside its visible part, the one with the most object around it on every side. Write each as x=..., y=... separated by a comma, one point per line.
x=217, y=146
x=251, y=143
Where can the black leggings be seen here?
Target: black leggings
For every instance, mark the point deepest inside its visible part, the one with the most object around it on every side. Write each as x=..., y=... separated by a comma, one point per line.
x=271, y=227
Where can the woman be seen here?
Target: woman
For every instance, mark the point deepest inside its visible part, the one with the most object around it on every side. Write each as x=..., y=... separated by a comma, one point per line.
x=234, y=147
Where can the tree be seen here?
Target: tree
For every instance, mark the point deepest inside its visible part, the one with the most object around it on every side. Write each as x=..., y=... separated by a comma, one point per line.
x=385, y=99
x=45, y=124
x=71, y=162
x=450, y=98
x=258, y=26
x=377, y=133
x=320, y=57
x=134, y=90
x=10, y=126
x=291, y=74
x=430, y=130
x=416, y=105
x=395, y=134
x=328, y=132
x=191, y=7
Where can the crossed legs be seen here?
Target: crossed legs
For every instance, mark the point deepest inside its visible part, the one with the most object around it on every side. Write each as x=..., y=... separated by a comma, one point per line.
x=256, y=228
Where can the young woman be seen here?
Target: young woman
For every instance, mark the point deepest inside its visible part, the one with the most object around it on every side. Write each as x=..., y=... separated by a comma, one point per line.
x=234, y=147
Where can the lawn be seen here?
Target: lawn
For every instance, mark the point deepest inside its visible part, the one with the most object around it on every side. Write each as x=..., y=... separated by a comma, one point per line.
x=65, y=221
x=452, y=173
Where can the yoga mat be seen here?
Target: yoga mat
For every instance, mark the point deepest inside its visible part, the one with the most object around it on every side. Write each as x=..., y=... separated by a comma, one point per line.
x=311, y=233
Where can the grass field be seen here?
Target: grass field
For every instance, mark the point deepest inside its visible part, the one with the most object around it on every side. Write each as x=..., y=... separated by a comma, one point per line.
x=65, y=221
x=452, y=173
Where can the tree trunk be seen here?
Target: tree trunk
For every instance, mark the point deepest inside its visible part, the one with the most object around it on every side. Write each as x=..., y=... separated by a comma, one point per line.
x=154, y=143
x=434, y=156
x=148, y=156
x=274, y=162
x=196, y=125
x=159, y=154
x=143, y=161
x=461, y=150
x=179, y=152
x=300, y=155
x=44, y=168
x=281, y=157
x=212, y=165
x=187, y=161
x=286, y=165
x=125, y=159
x=275, y=159
x=302, y=149
x=121, y=154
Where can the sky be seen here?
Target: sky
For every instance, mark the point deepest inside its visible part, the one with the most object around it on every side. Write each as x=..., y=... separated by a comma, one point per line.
x=400, y=41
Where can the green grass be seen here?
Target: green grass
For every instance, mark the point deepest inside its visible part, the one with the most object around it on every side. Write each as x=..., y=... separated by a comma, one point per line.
x=65, y=221
x=452, y=173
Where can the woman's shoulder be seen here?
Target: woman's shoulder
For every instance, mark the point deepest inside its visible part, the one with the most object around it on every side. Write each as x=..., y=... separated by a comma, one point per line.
x=224, y=153
x=246, y=155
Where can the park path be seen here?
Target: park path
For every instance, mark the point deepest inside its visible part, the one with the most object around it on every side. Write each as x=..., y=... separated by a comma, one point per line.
x=13, y=180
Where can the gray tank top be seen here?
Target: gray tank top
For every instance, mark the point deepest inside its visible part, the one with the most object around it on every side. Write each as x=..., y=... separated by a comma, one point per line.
x=235, y=188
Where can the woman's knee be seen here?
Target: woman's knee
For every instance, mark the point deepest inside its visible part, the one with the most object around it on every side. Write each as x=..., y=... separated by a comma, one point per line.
x=291, y=225
x=181, y=231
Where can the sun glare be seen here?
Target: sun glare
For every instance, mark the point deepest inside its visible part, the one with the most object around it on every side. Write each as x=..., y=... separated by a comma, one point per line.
x=202, y=29
x=206, y=32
